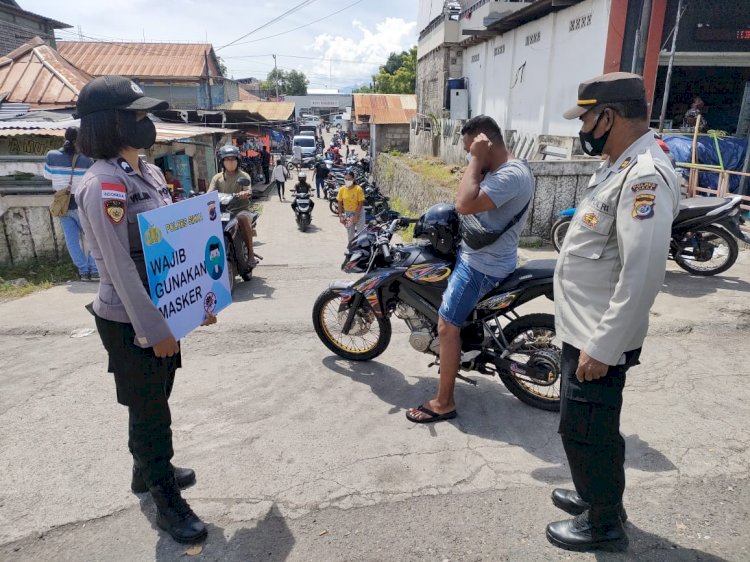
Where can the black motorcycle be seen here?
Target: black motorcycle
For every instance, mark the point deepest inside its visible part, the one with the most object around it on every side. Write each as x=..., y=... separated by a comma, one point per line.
x=352, y=318
x=705, y=233
x=238, y=255
x=302, y=206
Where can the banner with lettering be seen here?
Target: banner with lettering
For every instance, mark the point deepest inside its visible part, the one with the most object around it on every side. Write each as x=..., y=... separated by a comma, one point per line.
x=183, y=247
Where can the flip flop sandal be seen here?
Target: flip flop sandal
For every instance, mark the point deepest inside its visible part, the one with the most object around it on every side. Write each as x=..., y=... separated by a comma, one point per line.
x=434, y=416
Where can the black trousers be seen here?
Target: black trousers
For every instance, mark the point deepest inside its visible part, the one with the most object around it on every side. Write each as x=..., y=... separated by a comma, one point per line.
x=266, y=174
x=280, y=188
x=143, y=383
x=590, y=429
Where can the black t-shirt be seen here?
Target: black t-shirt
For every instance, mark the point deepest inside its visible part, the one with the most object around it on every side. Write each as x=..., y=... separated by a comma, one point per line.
x=302, y=187
x=321, y=170
x=265, y=158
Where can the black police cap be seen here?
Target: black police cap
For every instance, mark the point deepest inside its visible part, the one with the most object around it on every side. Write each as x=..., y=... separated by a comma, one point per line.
x=115, y=92
x=608, y=88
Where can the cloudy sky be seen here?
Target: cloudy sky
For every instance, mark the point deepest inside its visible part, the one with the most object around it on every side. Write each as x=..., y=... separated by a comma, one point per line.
x=352, y=38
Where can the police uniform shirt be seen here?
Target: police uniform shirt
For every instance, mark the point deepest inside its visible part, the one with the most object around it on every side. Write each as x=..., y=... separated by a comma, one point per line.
x=227, y=183
x=613, y=258
x=111, y=196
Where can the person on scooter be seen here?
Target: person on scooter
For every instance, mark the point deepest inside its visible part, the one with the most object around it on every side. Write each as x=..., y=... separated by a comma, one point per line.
x=496, y=190
x=226, y=182
x=302, y=187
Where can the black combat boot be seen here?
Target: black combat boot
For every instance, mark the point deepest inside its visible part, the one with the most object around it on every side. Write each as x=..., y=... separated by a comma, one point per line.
x=185, y=477
x=173, y=514
x=570, y=502
x=598, y=528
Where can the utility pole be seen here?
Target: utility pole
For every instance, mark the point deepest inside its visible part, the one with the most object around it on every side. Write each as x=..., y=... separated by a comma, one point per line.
x=275, y=77
x=668, y=81
x=208, y=83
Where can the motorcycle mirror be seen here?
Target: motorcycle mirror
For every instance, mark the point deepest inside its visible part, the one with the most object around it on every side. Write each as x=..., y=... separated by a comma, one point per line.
x=244, y=182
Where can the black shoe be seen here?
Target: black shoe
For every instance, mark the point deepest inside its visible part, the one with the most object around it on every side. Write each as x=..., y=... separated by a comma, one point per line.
x=84, y=276
x=570, y=502
x=94, y=276
x=184, y=476
x=173, y=514
x=586, y=532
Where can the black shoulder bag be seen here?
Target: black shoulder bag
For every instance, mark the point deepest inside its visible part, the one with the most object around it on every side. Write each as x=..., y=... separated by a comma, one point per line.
x=476, y=236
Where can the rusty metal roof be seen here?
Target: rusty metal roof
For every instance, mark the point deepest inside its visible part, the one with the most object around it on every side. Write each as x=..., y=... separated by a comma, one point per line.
x=384, y=109
x=267, y=110
x=165, y=132
x=141, y=60
x=36, y=74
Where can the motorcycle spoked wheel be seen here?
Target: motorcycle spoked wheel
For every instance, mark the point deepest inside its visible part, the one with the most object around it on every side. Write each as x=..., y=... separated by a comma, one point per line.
x=334, y=206
x=369, y=336
x=531, y=338
x=710, y=250
x=559, y=229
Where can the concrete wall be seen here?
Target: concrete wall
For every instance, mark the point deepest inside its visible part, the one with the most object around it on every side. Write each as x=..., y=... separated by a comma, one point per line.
x=528, y=76
x=559, y=185
x=392, y=137
x=28, y=231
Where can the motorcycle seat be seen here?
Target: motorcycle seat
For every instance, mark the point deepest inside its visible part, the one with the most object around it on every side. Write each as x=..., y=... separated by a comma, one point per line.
x=533, y=270
x=698, y=206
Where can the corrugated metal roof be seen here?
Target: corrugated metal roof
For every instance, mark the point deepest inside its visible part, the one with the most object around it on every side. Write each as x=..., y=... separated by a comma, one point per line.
x=247, y=96
x=141, y=60
x=268, y=110
x=384, y=109
x=165, y=132
x=37, y=75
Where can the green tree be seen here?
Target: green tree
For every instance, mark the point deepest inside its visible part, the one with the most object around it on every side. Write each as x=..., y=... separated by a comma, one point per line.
x=398, y=75
x=292, y=83
x=222, y=66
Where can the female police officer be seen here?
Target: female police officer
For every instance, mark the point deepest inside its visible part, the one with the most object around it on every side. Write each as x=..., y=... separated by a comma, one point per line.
x=143, y=354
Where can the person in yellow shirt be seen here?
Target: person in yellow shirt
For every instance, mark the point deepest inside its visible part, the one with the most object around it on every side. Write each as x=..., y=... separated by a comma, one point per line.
x=351, y=200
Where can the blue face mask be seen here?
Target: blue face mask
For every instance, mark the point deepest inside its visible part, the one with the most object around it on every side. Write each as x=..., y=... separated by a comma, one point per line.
x=468, y=157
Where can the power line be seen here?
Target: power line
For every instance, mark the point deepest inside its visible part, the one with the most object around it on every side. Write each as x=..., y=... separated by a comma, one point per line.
x=307, y=58
x=301, y=26
x=290, y=11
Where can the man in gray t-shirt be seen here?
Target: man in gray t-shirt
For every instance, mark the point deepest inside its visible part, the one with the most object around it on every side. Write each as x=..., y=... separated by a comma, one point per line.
x=496, y=189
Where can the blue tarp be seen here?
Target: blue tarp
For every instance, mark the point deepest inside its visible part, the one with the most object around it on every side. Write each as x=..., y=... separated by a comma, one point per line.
x=732, y=153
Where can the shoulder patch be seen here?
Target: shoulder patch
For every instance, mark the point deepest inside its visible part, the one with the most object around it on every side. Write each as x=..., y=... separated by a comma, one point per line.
x=127, y=168
x=644, y=186
x=643, y=207
x=115, y=210
x=625, y=163
x=114, y=191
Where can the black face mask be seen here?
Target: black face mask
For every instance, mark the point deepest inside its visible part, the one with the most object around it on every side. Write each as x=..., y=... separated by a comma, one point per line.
x=137, y=134
x=590, y=145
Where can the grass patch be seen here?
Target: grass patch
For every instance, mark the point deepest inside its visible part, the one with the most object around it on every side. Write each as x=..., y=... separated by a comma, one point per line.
x=40, y=274
x=434, y=170
x=407, y=234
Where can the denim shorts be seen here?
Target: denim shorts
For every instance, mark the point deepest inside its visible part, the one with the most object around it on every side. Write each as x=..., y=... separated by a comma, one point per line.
x=465, y=287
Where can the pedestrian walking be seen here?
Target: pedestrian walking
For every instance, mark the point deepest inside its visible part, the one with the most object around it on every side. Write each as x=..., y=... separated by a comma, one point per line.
x=610, y=269
x=65, y=167
x=321, y=174
x=280, y=174
x=351, y=200
x=143, y=354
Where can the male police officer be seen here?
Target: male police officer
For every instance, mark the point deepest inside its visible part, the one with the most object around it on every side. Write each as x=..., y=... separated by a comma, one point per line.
x=610, y=269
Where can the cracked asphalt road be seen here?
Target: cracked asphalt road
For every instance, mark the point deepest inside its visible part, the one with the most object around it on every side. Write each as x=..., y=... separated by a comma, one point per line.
x=303, y=456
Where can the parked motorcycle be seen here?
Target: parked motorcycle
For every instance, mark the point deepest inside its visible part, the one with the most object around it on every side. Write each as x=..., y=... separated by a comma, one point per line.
x=703, y=234
x=353, y=318
x=238, y=255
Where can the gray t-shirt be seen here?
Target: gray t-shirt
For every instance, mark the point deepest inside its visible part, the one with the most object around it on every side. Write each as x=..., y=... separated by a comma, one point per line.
x=510, y=187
